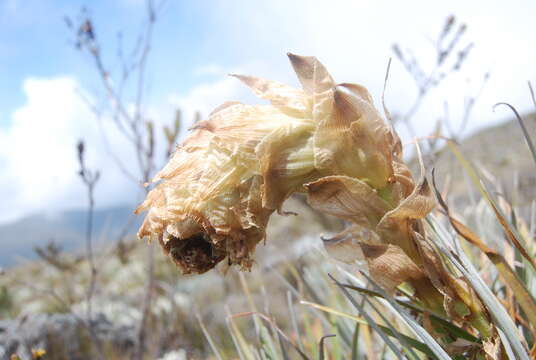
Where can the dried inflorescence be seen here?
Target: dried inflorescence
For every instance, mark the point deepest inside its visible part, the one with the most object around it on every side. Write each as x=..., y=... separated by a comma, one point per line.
x=327, y=140
x=236, y=168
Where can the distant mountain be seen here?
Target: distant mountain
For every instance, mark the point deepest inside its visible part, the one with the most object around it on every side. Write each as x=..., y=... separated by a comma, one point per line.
x=67, y=229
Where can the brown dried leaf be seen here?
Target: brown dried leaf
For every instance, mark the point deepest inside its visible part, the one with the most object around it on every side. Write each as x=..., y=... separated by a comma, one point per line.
x=347, y=198
x=399, y=220
x=345, y=246
x=389, y=265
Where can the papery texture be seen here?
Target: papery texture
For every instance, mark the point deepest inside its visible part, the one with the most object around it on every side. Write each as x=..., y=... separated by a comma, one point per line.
x=213, y=199
x=217, y=192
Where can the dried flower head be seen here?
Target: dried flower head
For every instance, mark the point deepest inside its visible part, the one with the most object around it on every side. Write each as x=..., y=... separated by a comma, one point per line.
x=236, y=168
x=217, y=192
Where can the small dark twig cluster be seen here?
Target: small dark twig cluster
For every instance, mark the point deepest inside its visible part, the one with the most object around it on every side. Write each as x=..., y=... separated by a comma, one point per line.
x=52, y=253
x=451, y=52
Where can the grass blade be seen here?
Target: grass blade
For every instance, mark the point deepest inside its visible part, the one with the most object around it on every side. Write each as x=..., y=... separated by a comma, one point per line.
x=419, y=330
x=510, y=233
x=321, y=345
x=282, y=346
x=393, y=330
x=369, y=320
x=293, y=320
x=211, y=343
x=509, y=277
x=523, y=128
x=277, y=329
x=453, y=329
x=240, y=342
x=416, y=344
x=496, y=310
x=355, y=342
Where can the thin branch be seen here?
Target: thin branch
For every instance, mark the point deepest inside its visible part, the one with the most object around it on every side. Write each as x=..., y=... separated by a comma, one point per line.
x=108, y=148
x=90, y=179
x=469, y=105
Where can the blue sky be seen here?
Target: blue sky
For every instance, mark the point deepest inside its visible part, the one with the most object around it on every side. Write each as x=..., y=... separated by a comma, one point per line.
x=197, y=43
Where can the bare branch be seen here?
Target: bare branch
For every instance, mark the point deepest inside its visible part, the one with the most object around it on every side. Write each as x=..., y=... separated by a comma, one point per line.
x=90, y=179
x=469, y=105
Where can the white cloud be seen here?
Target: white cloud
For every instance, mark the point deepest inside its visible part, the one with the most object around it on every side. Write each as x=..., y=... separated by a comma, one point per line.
x=206, y=96
x=209, y=69
x=38, y=160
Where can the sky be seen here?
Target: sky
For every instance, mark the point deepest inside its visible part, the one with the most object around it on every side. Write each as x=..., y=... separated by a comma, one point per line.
x=45, y=82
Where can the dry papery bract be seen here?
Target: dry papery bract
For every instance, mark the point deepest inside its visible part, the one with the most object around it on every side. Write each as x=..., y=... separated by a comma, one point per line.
x=224, y=181
x=217, y=192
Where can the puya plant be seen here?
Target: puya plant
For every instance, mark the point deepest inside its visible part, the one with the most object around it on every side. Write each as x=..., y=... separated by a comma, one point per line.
x=215, y=196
